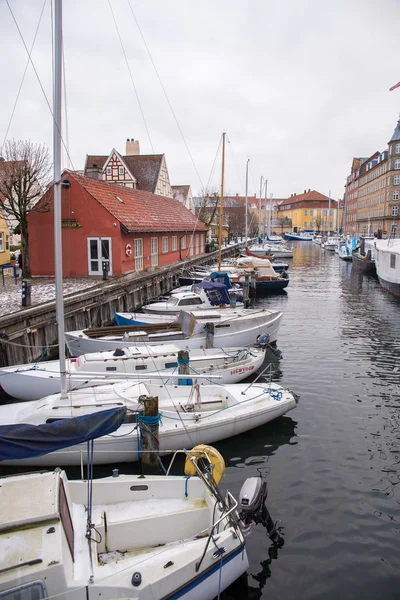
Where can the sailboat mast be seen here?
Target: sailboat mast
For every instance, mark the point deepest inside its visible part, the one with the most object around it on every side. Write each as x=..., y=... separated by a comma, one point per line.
x=221, y=203
x=247, y=188
x=259, y=207
x=329, y=214
x=270, y=215
x=265, y=208
x=57, y=93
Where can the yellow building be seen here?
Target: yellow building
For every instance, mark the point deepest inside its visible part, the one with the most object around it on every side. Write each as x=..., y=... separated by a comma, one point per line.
x=310, y=212
x=4, y=242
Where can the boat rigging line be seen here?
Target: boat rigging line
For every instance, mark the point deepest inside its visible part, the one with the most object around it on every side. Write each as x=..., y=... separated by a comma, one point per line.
x=24, y=73
x=131, y=76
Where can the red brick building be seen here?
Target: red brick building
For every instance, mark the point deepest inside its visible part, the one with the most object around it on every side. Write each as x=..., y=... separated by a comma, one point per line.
x=130, y=228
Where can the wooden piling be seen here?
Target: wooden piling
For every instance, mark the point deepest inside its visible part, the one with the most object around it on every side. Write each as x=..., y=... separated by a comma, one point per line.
x=149, y=439
x=209, y=329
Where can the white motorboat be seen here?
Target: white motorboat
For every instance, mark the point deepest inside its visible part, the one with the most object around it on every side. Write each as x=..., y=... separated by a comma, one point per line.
x=34, y=381
x=387, y=264
x=329, y=244
x=190, y=415
x=344, y=251
x=203, y=295
x=232, y=328
x=277, y=250
x=127, y=536
x=317, y=239
x=136, y=537
x=274, y=239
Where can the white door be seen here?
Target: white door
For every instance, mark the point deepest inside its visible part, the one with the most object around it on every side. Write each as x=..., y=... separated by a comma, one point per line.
x=99, y=249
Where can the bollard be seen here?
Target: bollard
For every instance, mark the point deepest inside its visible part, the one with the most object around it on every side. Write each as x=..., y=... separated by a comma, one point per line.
x=209, y=330
x=183, y=362
x=26, y=293
x=104, y=267
x=149, y=440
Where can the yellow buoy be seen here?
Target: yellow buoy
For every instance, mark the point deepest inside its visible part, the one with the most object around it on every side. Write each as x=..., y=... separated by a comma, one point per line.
x=207, y=453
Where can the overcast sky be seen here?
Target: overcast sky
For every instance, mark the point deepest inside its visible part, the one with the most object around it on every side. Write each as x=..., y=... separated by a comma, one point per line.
x=299, y=86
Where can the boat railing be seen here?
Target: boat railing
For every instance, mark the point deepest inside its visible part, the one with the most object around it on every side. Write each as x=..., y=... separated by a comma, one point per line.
x=269, y=368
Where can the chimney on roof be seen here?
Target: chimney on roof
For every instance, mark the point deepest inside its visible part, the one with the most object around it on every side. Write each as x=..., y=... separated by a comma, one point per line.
x=237, y=195
x=132, y=147
x=305, y=191
x=94, y=172
x=309, y=189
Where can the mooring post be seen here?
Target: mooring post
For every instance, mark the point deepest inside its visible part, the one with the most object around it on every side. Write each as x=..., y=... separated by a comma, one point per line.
x=209, y=329
x=183, y=362
x=149, y=440
x=246, y=286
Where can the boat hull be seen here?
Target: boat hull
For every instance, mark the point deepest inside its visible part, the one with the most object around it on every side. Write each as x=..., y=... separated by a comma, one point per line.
x=362, y=264
x=176, y=431
x=226, y=336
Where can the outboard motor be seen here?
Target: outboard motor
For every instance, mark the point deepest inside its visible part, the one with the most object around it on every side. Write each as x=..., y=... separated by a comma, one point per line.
x=263, y=342
x=252, y=498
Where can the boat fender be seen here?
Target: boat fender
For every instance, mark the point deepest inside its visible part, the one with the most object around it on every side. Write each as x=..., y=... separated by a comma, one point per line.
x=128, y=249
x=205, y=452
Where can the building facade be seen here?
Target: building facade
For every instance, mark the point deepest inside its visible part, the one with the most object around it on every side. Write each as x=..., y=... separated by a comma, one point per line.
x=310, y=211
x=4, y=242
x=372, y=191
x=129, y=229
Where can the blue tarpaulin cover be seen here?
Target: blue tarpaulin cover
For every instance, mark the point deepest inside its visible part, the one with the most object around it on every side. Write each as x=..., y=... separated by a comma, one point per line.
x=28, y=441
x=220, y=277
x=216, y=292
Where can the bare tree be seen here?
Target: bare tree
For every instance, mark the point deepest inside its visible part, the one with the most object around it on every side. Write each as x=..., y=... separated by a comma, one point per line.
x=209, y=206
x=25, y=171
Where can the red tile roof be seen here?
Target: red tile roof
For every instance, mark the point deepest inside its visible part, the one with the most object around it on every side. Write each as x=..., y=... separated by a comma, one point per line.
x=140, y=211
x=307, y=196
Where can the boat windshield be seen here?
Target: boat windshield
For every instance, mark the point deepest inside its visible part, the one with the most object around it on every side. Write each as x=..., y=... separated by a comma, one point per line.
x=173, y=301
x=30, y=591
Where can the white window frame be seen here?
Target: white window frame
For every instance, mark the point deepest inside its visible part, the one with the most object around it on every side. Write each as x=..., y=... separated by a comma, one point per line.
x=1, y=242
x=395, y=195
x=121, y=171
x=305, y=213
x=138, y=254
x=197, y=243
x=396, y=180
x=154, y=251
x=183, y=242
x=164, y=244
x=108, y=171
x=174, y=243
x=396, y=163
x=395, y=211
x=191, y=242
x=397, y=150
x=99, y=258
x=311, y=212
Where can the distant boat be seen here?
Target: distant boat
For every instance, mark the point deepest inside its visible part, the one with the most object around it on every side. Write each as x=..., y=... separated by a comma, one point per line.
x=300, y=236
x=387, y=254
x=344, y=251
x=274, y=239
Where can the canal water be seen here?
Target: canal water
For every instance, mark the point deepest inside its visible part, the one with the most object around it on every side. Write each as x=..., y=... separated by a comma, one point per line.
x=333, y=463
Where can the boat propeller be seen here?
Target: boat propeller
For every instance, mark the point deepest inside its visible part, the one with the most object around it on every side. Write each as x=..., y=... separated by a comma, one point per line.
x=253, y=509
